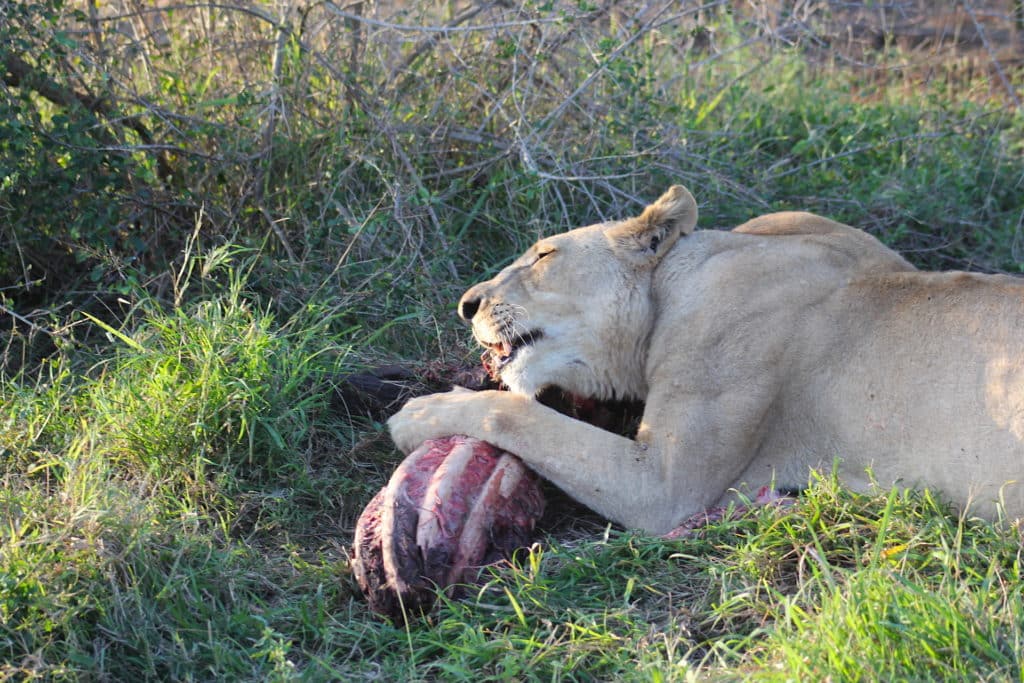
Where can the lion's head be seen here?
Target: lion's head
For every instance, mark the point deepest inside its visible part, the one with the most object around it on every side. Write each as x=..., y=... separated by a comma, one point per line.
x=574, y=311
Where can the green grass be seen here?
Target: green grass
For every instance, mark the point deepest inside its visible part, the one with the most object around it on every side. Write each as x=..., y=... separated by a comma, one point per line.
x=178, y=482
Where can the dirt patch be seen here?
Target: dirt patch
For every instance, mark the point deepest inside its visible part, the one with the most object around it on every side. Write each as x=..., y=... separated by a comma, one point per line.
x=915, y=40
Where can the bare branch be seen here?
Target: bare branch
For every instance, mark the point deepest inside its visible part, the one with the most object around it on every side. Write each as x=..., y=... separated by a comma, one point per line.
x=25, y=321
x=445, y=30
x=991, y=53
x=20, y=74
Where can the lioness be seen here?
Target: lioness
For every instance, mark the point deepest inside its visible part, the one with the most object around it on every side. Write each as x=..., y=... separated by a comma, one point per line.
x=786, y=344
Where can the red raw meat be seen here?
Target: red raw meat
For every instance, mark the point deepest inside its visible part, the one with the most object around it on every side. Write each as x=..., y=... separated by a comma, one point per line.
x=452, y=506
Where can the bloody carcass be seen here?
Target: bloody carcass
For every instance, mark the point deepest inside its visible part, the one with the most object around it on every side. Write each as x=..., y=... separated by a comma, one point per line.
x=452, y=506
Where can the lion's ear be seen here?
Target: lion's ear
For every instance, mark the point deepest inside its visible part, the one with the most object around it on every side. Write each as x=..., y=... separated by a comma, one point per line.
x=653, y=233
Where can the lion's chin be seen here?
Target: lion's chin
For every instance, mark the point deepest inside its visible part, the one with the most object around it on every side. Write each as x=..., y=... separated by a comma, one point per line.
x=575, y=369
x=516, y=373
x=536, y=368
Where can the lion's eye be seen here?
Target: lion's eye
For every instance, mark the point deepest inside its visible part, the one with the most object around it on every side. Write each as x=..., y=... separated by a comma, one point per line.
x=543, y=253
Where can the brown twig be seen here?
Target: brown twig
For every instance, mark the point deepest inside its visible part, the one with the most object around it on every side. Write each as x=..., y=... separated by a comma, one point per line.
x=355, y=53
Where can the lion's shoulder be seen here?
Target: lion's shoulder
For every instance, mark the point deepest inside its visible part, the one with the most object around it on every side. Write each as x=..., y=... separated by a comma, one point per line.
x=793, y=223
x=848, y=244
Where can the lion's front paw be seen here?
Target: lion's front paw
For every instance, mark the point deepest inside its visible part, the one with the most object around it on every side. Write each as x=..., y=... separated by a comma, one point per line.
x=456, y=412
x=407, y=425
x=425, y=417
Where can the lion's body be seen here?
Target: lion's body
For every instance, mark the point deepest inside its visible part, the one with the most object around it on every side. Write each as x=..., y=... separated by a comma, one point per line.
x=786, y=344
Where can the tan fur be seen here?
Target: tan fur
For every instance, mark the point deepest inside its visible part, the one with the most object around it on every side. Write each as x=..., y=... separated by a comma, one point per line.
x=789, y=343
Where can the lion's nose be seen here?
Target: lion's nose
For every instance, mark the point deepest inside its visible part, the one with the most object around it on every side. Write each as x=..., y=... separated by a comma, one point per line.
x=468, y=306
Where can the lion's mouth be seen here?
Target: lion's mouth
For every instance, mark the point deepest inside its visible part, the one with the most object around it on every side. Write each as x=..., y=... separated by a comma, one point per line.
x=503, y=352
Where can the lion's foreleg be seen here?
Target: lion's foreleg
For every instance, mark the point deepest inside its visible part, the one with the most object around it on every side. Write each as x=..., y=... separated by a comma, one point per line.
x=623, y=480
